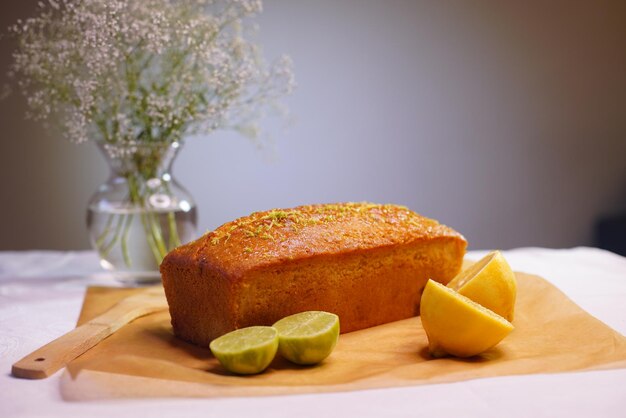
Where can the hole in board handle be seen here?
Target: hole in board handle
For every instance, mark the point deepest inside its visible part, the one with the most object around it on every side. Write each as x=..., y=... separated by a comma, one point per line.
x=40, y=359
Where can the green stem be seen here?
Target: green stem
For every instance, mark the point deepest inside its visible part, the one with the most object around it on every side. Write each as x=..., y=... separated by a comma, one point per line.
x=124, y=240
x=149, y=221
x=161, y=234
x=105, y=232
x=107, y=248
x=150, y=238
x=157, y=234
x=174, y=237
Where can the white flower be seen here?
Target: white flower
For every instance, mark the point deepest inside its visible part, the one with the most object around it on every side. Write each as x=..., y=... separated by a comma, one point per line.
x=145, y=70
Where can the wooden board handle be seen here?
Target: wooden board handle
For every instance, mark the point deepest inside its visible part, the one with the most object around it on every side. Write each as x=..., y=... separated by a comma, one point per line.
x=55, y=355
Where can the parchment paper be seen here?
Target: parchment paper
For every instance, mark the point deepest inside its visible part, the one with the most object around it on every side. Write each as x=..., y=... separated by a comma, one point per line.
x=144, y=359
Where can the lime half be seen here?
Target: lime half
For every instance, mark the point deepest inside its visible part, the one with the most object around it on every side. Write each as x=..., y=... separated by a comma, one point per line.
x=307, y=337
x=246, y=350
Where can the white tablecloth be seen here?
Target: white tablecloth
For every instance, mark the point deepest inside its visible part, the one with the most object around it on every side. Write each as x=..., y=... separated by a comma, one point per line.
x=41, y=295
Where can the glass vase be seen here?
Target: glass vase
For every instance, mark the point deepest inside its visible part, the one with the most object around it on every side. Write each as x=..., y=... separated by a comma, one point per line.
x=140, y=213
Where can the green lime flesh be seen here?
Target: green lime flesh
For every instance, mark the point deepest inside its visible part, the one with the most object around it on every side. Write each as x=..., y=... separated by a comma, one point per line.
x=247, y=350
x=308, y=337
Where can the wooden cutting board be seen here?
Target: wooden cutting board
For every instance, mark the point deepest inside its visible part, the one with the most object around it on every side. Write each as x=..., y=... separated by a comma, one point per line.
x=145, y=359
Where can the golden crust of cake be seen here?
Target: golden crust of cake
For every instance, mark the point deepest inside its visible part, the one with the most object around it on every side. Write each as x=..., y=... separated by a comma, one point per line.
x=367, y=263
x=281, y=235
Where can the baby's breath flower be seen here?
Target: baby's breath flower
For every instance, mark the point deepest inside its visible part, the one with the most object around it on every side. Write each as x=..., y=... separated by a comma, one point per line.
x=145, y=70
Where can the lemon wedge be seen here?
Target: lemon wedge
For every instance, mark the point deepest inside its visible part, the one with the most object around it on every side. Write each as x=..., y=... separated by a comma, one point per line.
x=490, y=282
x=457, y=325
x=247, y=350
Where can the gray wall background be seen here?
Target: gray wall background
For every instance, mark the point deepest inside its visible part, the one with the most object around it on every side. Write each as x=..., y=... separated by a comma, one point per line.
x=504, y=120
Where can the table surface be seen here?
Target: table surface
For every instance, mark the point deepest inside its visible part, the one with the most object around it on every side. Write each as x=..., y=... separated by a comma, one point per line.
x=41, y=294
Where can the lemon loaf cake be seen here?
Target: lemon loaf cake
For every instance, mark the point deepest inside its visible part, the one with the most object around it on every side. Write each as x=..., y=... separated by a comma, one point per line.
x=367, y=263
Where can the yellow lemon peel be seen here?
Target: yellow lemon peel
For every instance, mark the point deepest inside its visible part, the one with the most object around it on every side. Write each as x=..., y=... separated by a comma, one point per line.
x=457, y=325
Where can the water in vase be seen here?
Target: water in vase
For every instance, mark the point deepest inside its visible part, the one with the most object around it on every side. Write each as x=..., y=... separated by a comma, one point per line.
x=131, y=242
